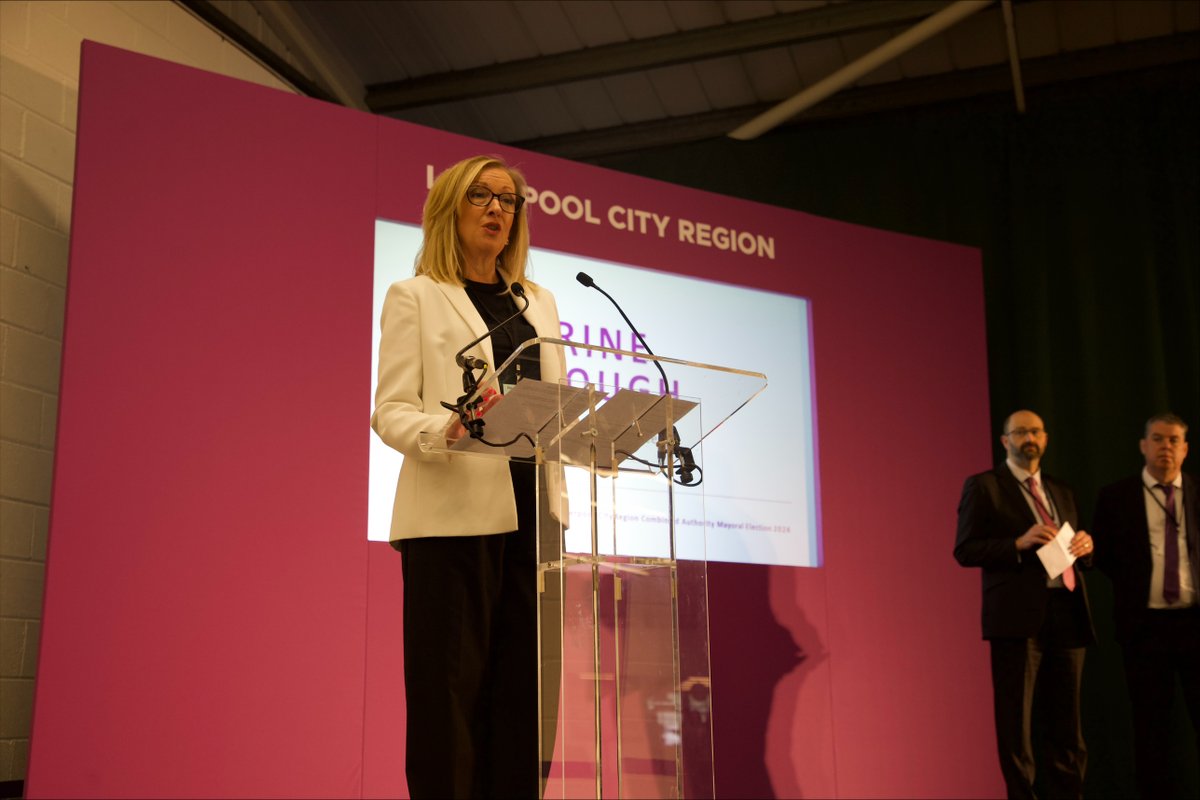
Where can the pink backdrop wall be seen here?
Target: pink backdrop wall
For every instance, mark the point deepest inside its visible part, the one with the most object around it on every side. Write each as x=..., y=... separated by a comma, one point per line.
x=216, y=623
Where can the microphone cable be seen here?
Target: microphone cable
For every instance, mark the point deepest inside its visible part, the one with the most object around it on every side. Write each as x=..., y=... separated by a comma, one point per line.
x=687, y=473
x=466, y=410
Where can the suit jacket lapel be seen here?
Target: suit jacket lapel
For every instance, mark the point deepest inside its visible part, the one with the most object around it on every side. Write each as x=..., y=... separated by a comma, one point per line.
x=1012, y=488
x=1191, y=521
x=457, y=297
x=1139, y=525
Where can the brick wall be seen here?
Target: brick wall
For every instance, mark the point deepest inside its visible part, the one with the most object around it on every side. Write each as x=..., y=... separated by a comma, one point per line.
x=39, y=88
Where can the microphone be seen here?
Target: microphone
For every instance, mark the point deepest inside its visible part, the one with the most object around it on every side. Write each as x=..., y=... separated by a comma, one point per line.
x=587, y=281
x=471, y=362
x=686, y=466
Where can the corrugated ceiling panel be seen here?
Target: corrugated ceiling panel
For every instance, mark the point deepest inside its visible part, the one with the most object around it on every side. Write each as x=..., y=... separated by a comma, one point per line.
x=788, y=6
x=457, y=31
x=397, y=41
x=590, y=104
x=857, y=45
x=738, y=10
x=507, y=39
x=506, y=118
x=465, y=118
x=548, y=26
x=1143, y=19
x=691, y=14
x=510, y=38
x=979, y=40
x=1086, y=25
x=1037, y=30
x=355, y=38
x=772, y=74
x=679, y=90
x=634, y=97
x=595, y=22
x=645, y=18
x=725, y=82
x=931, y=57
x=407, y=36
x=545, y=112
x=817, y=60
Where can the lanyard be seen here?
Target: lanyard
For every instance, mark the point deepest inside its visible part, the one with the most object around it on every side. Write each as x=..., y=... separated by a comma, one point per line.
x=1052, y=510
x=1169, y=514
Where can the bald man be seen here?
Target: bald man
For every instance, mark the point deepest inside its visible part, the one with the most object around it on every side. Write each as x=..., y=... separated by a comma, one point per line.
x=1038, y=627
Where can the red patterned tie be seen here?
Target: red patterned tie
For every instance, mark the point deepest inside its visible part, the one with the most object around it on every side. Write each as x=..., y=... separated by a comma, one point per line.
x=1068, y=576
x=1170, y=546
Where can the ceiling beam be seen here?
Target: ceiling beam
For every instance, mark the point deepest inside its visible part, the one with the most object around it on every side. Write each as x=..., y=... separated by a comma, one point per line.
x=315, y=50
x=1014, y=54
x=729, y=39
x=225, y=25
x=864, y=65
x=985, y=85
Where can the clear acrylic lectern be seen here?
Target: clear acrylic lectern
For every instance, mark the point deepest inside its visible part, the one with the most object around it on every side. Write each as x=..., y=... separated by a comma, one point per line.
x=624, y=683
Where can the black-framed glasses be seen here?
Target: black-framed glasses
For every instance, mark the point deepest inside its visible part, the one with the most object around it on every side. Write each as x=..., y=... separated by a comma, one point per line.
x=1021, y=433
x=478, y=195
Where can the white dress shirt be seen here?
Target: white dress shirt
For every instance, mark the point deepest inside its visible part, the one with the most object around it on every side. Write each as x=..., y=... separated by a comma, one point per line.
x=1156, y=521
x=1022, y=475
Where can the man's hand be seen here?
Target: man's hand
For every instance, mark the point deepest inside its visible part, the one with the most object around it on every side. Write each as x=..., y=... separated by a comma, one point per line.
x=1036, y=536
x=1081, y=545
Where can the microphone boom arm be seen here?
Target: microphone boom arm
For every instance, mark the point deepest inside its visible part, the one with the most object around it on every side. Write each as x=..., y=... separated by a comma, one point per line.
x=686, y=467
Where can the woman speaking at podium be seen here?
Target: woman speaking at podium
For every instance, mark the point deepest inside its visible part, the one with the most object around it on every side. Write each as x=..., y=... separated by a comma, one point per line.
x=466, y=526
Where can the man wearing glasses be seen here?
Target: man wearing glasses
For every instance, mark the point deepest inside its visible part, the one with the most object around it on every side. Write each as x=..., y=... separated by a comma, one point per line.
x=1038, y=626
x=1150, y=548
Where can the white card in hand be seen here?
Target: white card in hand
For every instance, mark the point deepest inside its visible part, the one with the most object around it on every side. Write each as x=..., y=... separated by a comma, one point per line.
x=1056, y=553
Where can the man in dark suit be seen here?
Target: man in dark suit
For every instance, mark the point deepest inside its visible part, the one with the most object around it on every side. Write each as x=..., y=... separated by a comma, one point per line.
x=1038, y=627
x=1148, y=527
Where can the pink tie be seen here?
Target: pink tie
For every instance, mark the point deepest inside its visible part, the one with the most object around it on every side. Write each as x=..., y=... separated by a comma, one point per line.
x=1068, y=576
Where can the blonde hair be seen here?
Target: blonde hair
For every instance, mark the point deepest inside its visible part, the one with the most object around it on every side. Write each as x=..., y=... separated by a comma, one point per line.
x=441, y=255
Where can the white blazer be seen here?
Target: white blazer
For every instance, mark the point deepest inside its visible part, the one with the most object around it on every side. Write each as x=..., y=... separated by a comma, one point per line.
x=424, y=323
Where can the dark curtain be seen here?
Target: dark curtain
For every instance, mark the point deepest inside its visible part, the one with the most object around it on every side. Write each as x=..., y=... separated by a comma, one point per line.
x=1087, y=211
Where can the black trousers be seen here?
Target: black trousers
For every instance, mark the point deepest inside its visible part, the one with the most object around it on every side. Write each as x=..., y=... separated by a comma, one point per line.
x=471, y=659
x=1050, y=666
x=1165, y=648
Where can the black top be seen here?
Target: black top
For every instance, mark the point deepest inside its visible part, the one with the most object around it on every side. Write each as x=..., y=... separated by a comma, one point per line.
x=495, y=304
